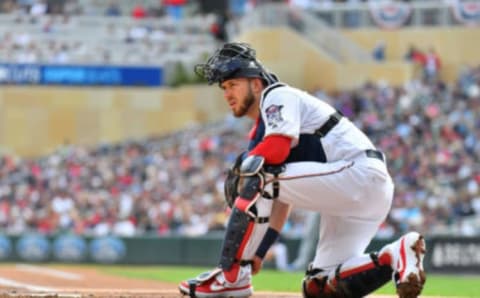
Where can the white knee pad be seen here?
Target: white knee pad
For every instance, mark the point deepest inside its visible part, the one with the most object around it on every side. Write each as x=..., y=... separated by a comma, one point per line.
x=264, y=208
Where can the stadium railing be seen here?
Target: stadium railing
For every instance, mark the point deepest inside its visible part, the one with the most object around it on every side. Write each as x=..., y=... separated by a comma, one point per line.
x=415, y=13
x=338, y=47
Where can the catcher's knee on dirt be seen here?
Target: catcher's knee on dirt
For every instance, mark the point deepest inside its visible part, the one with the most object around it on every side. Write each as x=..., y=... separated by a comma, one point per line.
x=245, y=228
x=350, y=280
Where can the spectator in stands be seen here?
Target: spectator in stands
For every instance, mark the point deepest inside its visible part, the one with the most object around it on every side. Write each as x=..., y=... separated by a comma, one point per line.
x=63, y=207
x=38, y=8
x=352, y=17
x=61, y=54
x=72, y=7
x=219, y=28
x=378, y=52
x=462, y=205
x=139, y=11
x=157, y=11
x=25, y=4
x=55, y=7
x=7, y=6
x=432, y=65
x=295, y=19
x=175, y=8
x=113, y=9
x=417, y=58
x=237, y=8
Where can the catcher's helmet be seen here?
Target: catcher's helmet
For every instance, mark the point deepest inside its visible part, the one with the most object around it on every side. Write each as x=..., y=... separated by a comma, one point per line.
x=233, y=60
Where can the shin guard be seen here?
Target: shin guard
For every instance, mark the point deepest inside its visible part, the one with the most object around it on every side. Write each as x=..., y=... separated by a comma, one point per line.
x=248, y=222
x=353, y=279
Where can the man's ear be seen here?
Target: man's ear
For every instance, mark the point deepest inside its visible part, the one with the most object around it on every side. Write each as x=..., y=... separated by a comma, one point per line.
x=257, y=85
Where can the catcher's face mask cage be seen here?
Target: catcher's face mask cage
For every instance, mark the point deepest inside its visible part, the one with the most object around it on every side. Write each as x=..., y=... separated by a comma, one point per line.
x=233, y=60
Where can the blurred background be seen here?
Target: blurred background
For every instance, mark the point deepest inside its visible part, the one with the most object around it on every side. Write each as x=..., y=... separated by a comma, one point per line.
x=112, y=150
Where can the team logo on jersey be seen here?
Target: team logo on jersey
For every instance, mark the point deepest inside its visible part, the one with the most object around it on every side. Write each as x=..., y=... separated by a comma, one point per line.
x=274, y=115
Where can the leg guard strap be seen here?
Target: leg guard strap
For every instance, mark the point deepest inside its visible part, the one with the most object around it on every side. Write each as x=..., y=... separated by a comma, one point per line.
x=202, y=277
x=192, y=288
x=314, y=283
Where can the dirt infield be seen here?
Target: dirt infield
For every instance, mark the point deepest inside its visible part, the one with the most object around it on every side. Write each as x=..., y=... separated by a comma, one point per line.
x=22, y=280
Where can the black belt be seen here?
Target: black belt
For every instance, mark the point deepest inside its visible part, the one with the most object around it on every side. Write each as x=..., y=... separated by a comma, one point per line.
x=329, y=124
x=375, y=154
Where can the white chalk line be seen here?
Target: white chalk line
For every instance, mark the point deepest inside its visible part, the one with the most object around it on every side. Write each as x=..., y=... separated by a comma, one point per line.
x=16, y=284
x=49, y=271
x=40, y=270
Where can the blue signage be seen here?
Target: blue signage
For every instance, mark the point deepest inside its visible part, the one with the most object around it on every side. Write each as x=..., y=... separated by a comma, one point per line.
x=20, y=74
x=80, y=75
x=108, y=249
x=69, y=248
x=5, y=247
x=33, y=247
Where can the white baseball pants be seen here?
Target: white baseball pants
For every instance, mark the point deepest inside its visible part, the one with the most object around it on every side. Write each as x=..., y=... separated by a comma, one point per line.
x=352, y=197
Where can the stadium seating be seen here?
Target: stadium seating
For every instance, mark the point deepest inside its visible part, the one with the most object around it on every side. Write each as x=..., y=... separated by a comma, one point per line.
x=96, y=39
x=172, y=184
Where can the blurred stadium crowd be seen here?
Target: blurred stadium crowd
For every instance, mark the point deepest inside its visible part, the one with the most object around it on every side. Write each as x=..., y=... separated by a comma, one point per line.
x=69, y=32
x=125, y=32
x=173, y=184
x=152, y=32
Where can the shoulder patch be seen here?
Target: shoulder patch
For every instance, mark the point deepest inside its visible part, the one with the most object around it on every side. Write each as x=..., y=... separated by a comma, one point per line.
x=274, y=115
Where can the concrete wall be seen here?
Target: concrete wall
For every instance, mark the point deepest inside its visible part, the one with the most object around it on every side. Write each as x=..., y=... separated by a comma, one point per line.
x=36, y=120
x=300, y=63
x=457, y=46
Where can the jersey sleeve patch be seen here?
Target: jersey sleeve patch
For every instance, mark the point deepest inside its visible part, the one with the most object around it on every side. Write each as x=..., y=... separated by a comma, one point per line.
x=274, y=115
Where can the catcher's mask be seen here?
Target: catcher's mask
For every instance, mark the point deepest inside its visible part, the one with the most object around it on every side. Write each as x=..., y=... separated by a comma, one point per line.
x=233, y=60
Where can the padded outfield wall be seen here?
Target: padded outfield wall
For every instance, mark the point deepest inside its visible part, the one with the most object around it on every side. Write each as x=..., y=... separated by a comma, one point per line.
x=444, y=254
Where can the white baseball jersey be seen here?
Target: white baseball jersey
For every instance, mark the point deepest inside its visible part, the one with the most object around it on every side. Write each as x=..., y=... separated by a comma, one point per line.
x=289, y=111
x=351, y=189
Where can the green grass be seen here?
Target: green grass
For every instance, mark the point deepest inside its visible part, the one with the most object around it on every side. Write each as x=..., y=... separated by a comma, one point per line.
x=445, y=286
x=271, y=280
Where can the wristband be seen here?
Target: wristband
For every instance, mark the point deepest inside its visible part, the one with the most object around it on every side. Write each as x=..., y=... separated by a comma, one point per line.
x=270, y=237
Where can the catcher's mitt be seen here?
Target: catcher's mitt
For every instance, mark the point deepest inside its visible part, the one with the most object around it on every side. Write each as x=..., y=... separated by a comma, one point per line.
x=233, y=179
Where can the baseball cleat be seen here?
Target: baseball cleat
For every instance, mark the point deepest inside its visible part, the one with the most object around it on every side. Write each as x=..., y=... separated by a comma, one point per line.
x=408, y=253
x=212, y=284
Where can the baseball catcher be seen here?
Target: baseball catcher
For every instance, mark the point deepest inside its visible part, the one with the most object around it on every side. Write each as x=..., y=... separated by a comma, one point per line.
x=304, y=154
